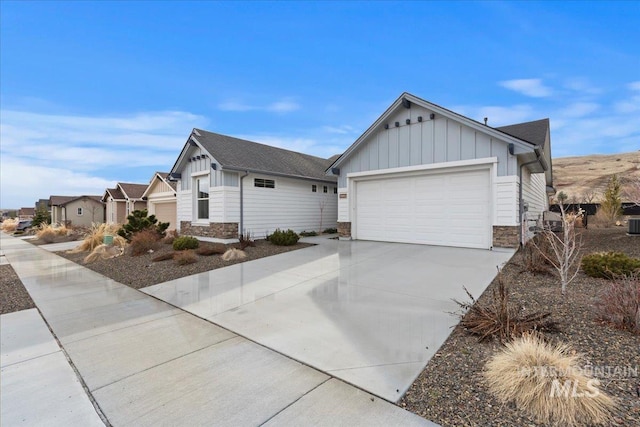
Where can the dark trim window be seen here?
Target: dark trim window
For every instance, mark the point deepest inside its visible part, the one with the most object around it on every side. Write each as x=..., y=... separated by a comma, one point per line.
x=202, y=197
x=264, y=183
x=314, y=188
x=335, y=190
x=79, y=212
x=325, y=189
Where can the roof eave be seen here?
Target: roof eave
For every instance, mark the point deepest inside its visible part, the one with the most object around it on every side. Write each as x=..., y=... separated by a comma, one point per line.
x=284, y=175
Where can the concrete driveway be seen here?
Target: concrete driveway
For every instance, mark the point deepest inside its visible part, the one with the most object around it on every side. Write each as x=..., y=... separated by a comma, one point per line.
x=369, y=313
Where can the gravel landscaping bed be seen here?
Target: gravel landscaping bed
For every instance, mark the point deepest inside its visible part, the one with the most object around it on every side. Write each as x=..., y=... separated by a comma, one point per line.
x=451, y=392
x=13, y=295
x=140, y=271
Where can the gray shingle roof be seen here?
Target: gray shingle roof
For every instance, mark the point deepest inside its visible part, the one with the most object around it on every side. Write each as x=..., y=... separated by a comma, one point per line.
x=165, y=176
x=235, y=153
x=115, y=193
x=60, y=200
x=534, y=132
x=133, y=191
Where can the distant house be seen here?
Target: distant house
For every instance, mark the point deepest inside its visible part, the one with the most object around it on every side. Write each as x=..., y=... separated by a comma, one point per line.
x=122, y=200
x=426, y=175
x=81, y=211
x=161, y=199
x=26, y=213
x=227, y=185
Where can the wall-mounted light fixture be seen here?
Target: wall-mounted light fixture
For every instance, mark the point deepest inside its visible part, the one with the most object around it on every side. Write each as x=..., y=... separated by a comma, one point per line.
x=397, y=124
x=419, y=118
x=214, y=166
x=386, y=125
x=408, y=121
x=432, y=116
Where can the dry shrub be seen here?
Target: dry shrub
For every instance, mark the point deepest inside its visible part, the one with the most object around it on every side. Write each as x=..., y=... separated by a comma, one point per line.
x=211, y=249
x=185, y=257
x=535, y=256
x=48, y=233
x=144, y=241
x=619, y=302
x=170, y=237
x=9, y=225
x=103, y=252
x=234, y=254
x=546, y=382
x=163, y=257
x=246, y=240
x=95, y=237
x=500, y=319
x=601, y=220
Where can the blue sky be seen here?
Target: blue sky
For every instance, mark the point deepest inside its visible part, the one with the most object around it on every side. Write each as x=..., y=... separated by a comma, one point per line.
x=96, y=92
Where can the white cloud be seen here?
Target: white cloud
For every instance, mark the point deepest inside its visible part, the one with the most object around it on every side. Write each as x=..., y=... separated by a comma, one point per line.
x=235, y=106
x=579, y=109
x=632, y=104
x=63, y=150
x=529, y=87
x=340, y=130
x=634, y=86
x=582, y=85
x=498, y=115
x=284, y=105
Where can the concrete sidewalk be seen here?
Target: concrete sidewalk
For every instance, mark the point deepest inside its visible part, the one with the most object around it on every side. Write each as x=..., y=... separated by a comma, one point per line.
x=147, y=363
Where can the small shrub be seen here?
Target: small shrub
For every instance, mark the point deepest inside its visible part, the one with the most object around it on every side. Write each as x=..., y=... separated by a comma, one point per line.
x=9, y=225
x=185, y=242
x=536, y=254
x=246, y=240
x=308, y=233
x=163, y=257
x=95, y=237
x=138, y=221
x=233, y=254
x=609, y=264
x=284, y=238
x=144, y=241
x=185, y=257
x=330, y=231
x=619, y=303
x=533, y=374
x=500, y=319
x=170, y=237
x=211, y=249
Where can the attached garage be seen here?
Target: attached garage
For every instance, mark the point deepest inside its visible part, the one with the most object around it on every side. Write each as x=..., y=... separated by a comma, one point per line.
x=423, y=174
x=164, y=212
x=432, y=208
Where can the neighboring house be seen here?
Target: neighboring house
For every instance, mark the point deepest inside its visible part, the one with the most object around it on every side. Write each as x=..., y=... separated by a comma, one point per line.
x=122, y=200
x=424, y=174
x=161, y=199
x=44, y=203
x=26, y=213
x=228, y=185
x=81, y=211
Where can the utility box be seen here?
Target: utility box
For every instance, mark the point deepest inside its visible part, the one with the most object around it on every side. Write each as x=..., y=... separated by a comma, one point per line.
x=634, y=226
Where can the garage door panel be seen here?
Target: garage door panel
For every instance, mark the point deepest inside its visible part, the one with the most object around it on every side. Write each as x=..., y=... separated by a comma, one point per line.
x=438, y=209
x=166, y=212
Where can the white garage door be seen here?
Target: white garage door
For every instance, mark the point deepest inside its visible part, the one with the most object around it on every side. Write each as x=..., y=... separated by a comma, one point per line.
x=448, y=209
x=166, y=212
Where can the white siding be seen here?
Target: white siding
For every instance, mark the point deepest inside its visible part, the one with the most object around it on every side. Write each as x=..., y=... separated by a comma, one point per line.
x=184, y=207
x=291, y=204
x=343, y=206
x=507, y=194
x=534, y=193
x=427, y=142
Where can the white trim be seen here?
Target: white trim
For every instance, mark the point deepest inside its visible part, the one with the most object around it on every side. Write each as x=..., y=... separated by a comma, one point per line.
x=487, y=161
x=200, y=173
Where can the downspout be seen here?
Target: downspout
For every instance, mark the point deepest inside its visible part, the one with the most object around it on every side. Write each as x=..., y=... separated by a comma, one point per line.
x=241, y=225
x=536, y=150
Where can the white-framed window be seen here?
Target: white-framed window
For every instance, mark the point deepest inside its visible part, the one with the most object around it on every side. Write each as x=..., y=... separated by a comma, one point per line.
x=202, y=197
x=79, y=212
x=314, y=188
x=325, y=189
x=264, y=183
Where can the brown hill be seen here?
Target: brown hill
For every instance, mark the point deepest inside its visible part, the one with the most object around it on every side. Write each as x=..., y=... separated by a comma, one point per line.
x=585, y=178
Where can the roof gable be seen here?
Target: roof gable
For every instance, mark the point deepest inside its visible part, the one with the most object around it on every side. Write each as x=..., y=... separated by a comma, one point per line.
x=159, y=177
x=132, y=191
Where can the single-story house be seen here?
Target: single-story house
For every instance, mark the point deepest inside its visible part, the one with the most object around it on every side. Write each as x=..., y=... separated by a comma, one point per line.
x=80, y=211
x=122, y=200
x=161, y=199
x=427, y=175
x=228, y=185
x=26, y=213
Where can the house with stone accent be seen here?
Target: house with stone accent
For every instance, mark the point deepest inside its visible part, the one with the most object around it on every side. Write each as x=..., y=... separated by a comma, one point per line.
x=160, y=196
x=122, y=200
x=79, y=211
x=424, y=174
x=228, y=185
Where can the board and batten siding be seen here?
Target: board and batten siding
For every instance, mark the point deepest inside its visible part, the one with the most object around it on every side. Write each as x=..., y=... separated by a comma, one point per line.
x=184, y=207
x=291, y=204
x=507, y=204
x=427, y=142
x=534, y=193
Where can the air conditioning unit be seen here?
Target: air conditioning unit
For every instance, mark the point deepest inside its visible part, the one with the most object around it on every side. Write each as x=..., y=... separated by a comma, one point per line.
x=634, y=226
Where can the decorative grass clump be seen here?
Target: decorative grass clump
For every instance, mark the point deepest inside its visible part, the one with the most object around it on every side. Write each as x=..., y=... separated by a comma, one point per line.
x=234, y=254
x=95, y=237
x=48, y=233
x=211, y=249
x=103, y=252
x=500, y=319
x=163, y=257
x=608, y=265
x=185, y=242
x=9, y=225
x=546, y=382
x=284, y=238
x=185, y=257
x=619, y=302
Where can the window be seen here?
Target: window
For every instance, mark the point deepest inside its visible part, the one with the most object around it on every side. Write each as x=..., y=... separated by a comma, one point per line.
x=79, y=211
x=202, y=197
x=264, y=183
x=314, y=188
x=335, y=190
x=325, y=189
